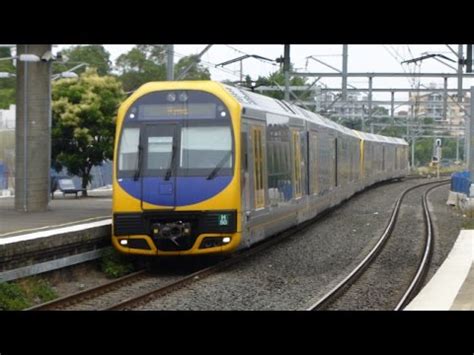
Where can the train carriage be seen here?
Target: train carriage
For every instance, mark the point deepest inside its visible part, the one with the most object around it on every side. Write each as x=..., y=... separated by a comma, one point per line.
x=202, y=167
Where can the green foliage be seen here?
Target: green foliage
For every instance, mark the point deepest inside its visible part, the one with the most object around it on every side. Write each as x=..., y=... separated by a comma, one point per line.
x=278, y=77
x=424, y=150
x=468, y=223
x=142, y=64
x=7, y=85
x=37, y=290
x=114, y=264
x=12, y=297
x=83, y=127
x=96, y=56
x=197, y=71
x=15, y=296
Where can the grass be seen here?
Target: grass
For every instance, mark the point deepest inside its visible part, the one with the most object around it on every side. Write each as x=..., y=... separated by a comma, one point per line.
x=17, y=295
x=114, y=264
x=468, y=223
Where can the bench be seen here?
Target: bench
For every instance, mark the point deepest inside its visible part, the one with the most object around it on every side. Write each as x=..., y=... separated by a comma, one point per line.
x=66, y=186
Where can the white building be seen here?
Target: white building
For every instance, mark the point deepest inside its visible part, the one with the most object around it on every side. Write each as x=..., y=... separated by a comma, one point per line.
x=7, y=118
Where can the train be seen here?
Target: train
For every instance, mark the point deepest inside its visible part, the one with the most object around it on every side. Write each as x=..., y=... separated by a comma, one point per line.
x=201, y=167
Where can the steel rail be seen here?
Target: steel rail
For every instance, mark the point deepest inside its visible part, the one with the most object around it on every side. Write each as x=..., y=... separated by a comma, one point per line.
x=336, y=291
x=423, y=267
x=66, y=301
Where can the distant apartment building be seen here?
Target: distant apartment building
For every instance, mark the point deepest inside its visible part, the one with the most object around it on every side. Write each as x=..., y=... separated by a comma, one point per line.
x=431, y=105
x=351, y=108
x=7, y=118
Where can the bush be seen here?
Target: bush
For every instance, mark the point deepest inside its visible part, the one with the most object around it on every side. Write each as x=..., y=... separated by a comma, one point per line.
x=114, y=264
x=15, y=296
x=38, y=290
x=12, y=297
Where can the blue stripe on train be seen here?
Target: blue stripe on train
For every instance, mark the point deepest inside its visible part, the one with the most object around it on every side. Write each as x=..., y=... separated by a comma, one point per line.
x=190, y=189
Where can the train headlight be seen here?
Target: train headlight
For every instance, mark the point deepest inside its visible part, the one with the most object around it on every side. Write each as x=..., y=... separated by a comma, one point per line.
x=123, y=242
x=210, y=242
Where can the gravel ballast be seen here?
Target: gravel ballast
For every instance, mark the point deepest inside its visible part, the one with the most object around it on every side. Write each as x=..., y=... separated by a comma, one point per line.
x=296, y=272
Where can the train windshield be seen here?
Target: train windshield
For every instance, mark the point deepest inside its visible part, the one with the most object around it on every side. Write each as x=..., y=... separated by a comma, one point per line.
x=176, y=133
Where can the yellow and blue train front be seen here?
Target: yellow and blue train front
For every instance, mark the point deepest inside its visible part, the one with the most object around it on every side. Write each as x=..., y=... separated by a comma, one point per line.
x=176, y=186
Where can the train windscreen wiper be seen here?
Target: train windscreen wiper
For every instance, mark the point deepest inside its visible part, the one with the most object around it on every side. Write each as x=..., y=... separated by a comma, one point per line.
x=139, y=163
x=170, y=168
x=219, y=166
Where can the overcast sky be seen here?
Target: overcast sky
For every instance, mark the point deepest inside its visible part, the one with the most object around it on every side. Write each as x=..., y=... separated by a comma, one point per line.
x=362, y=58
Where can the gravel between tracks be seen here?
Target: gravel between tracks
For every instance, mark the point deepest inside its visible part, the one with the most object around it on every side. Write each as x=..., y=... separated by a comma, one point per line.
x=299, y=270
x=447, y=222
x=382, y=285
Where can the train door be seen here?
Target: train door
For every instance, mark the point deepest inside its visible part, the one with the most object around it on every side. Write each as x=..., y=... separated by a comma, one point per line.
x=160, y=145
x=244, y=171
x=313, y=163
x=258, y=167
x=383, y=158
x=335, y=162
x=297, y=164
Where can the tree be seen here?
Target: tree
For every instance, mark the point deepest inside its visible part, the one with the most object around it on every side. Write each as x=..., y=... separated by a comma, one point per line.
x=96, y=56
x=278, y=77
x=7, y=85
x=142, y=64
x=83, y=127
x=197, y=71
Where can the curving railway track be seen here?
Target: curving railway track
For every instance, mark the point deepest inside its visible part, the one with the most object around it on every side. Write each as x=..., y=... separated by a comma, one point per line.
x=416, y=280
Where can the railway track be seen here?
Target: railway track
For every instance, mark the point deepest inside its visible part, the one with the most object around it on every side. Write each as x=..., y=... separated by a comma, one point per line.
x=141, y=287
x=126, y=284
x=416, y=282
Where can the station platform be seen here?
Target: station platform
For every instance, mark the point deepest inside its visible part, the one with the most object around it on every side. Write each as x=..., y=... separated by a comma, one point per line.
x=73, y=230
x=452, y=287
x=62, y=211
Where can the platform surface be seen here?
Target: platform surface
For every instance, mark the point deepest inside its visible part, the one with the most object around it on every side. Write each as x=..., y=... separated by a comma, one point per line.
x=452, y=287
x=62, y=212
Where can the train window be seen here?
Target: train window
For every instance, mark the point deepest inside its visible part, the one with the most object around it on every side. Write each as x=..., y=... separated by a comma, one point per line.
x=278, y=163
x=159, y=152
x=258, y=167
x=335, y=162
x=297, y=163
x=205, y=147
x=128, y=156
x=313, y=163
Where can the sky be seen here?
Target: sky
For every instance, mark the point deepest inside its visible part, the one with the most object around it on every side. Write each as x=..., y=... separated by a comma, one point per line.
x=361, y=58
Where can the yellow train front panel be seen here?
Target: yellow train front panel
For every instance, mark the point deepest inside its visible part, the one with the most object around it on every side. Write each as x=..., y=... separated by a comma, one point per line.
x=176, y=182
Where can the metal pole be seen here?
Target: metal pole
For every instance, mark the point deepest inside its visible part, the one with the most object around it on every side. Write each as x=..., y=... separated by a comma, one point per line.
x=467, y=140
x=170, y=62
x=25, y=137
x=344, y=72
x=392, y=107
x=457, y=148
x=286, y=69
x=445, y=100
x=370, y=98
x=471, y=136
x=460, y=56
x=363, y=118
x=413, y=143
x=241, y=71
